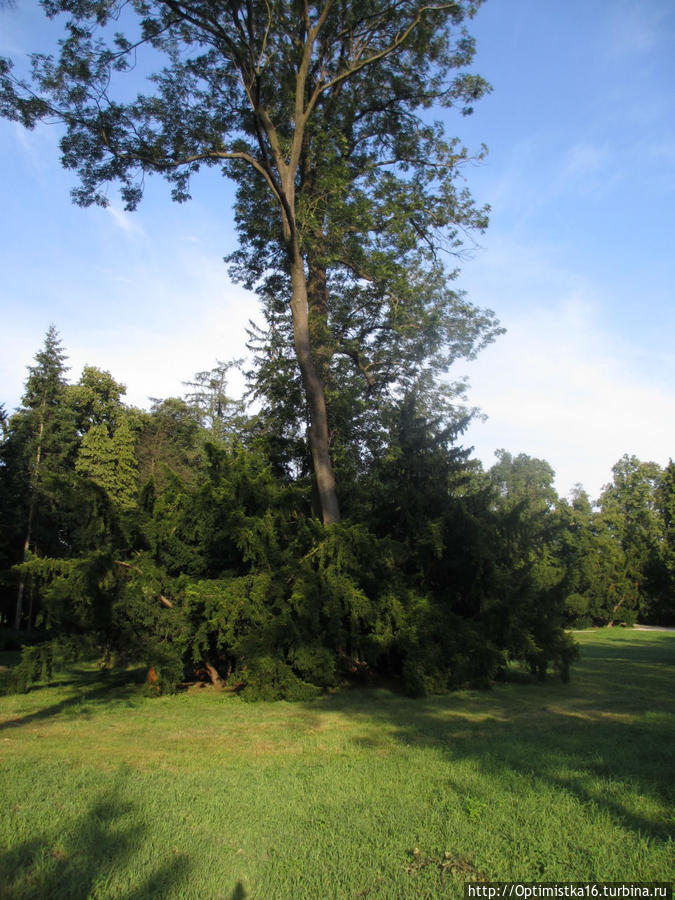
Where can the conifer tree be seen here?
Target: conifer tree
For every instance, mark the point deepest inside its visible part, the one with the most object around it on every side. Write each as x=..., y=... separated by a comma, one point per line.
x=217, y=413
x=110, y=461
x=126, y=465
x=41, y=449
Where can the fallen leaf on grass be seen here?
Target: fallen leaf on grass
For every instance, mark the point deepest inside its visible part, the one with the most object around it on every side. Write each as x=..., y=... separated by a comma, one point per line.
x=455, y=865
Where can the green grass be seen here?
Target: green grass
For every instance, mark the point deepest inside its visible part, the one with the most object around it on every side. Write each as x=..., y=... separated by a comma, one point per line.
x=107, y=793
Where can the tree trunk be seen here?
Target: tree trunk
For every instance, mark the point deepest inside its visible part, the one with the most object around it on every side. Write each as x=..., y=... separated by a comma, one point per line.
x=214, y=676
x=319, y=333
x=319, y=435
x=19, y=600
x=302, y=339
x=31, y=595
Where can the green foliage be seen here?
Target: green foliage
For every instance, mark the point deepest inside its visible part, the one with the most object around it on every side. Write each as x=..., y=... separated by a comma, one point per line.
x=269, y=678
x=338, y=590
x=96, y=399
x=662, y=568
x=316, y=614
x=36, y=468
x=37, y=664
x=442, y=575
x=110, y=462
x=219, y=415
x=444, y=652
x=167, y=442
x=614, y=555
x=205, y=545
x=75, y=593
x=232, y=619
x=40, y=662
x=166, y=665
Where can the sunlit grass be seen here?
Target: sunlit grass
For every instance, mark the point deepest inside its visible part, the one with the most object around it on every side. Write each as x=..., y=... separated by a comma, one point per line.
x=108, y=793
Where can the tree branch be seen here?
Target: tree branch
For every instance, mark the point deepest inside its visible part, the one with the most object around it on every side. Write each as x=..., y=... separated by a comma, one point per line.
x=399, y=39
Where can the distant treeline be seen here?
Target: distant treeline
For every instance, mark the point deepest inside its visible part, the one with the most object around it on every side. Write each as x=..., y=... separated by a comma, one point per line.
x=188, y=538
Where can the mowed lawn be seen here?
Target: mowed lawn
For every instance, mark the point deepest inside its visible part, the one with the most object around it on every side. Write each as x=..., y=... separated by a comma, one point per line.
x=107, y=793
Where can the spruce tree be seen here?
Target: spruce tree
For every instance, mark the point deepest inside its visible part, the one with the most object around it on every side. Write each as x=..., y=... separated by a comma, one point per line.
x=40, y=451
x=110, y=462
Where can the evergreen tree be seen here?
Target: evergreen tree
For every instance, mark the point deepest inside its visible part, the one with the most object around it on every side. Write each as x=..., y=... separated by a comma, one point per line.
x=39, y=453
x=6, y=504
x=442, y=574
x=110, y=461
x=168, y=441
x=126, y=465
x=217, y=413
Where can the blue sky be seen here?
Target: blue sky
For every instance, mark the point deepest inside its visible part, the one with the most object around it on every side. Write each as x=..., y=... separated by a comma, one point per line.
x=578, y=262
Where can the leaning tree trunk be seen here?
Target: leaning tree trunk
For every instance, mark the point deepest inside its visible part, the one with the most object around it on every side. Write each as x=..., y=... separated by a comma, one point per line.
x=319, y=434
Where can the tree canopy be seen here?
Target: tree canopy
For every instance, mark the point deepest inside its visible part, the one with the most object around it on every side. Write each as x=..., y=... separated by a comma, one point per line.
x=321, y=114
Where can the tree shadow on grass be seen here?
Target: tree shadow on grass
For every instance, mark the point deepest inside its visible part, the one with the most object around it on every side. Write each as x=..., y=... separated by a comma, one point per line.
x=88, y=691
x=96, y=857
x=605, y=738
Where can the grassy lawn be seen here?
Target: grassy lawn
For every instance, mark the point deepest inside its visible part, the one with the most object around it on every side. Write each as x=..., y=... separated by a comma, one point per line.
x=106, y=793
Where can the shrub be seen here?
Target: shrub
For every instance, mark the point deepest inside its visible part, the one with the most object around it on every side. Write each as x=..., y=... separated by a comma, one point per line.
x=269, y=678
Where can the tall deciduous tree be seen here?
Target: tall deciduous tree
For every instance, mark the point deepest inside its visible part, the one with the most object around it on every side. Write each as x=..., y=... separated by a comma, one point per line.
x=273, y=88
x=96, y=399
x=531, y=575
x=629, y=506
x=597, y=586
x=665, y=553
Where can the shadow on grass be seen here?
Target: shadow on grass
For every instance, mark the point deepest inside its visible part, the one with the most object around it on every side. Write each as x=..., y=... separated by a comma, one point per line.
x=656, y=648
x=94, y=857
x=89, y=690
x=606, y=738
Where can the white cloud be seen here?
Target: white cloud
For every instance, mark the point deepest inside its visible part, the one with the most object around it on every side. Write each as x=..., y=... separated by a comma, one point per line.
x=124, y=220
x=556, y=386
x=168, y=326
x=152, y=318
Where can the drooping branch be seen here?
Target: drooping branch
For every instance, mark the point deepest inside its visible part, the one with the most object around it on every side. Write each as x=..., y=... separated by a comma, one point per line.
x=162, y=599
